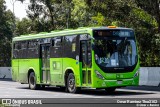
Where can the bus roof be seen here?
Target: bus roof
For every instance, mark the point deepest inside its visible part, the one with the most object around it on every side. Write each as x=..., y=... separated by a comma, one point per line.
x=63, y=33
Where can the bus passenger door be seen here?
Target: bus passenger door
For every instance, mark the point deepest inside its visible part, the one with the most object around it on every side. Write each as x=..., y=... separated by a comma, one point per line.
x=86, y=59
x=45, y=53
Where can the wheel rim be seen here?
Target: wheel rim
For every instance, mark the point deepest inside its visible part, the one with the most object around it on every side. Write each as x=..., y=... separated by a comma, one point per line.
x=71, y=84
x=32, y=80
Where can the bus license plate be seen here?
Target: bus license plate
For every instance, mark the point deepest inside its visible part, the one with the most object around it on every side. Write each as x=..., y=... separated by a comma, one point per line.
x=119, y=82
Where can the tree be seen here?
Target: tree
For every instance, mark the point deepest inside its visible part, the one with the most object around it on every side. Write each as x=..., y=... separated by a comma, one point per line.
x=142, y=16
x=50, y=14
x=23, y=26
x=81, y=14
x=152, y=7
x=6, y=33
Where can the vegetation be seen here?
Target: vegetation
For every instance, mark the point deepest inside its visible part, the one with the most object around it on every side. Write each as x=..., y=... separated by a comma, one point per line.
x=48, y=15
x=6, y=34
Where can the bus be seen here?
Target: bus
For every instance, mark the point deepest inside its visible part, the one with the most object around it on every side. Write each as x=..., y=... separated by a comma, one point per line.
x=92, y=57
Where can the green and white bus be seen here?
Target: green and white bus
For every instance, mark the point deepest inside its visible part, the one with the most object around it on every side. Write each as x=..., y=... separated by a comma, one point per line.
x=98, y=57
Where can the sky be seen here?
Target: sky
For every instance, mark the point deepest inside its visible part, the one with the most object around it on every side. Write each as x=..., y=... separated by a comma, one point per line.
x=19, y=8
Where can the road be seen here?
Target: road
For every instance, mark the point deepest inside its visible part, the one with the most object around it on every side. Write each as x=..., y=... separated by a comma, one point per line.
x=10, y=89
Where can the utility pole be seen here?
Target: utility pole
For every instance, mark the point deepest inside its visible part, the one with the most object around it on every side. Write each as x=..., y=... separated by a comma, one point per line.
x=13, y=19
x=68, y=13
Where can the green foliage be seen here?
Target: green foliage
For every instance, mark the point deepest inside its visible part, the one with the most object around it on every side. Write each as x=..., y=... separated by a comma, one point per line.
x=6, y=33
x=5, y=52
x=80, y=14
x=99, y=20
x=23, y=26
x=48, y=15
x=152, y=8
x=143, y=16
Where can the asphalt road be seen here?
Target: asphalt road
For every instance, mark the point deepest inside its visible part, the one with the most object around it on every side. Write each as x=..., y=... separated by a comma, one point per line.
x=10, y=89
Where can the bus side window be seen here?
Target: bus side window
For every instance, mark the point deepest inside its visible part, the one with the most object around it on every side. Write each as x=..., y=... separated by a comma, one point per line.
x=89, y=53
x=32, y=49
x=24, y=44
x=57, y=42
x=30, y=44
x=15, y=50
x=56, y=47
x=18, y=46
x=67, y=46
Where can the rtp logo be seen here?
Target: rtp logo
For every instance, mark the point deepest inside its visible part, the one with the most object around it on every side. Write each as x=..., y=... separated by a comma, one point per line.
x=6, y=101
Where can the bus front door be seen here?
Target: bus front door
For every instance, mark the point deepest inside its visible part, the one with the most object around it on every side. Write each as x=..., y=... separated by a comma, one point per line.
x=86, y=59
x=45, y=53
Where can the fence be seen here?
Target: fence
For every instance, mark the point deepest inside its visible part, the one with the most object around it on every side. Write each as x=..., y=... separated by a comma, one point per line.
x=150, y=76
x=5, y=72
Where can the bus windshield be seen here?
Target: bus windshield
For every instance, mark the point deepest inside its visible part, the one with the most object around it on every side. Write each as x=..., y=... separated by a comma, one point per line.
x=115, y=52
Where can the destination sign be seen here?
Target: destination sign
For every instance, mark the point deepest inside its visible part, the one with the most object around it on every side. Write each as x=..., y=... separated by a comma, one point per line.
x=107, y=33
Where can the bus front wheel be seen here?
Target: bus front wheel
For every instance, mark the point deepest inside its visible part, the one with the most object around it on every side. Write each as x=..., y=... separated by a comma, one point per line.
x=71, y=85
x=32, y=81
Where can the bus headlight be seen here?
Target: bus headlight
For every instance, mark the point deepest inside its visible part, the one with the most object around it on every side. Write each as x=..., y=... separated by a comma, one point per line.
x=137, y=73
x=99, y=75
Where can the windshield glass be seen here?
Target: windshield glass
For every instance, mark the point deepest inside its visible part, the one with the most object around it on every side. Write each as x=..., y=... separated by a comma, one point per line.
x=117, y=52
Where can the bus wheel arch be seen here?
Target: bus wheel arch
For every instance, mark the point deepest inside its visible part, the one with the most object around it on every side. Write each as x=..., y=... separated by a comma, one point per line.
x=70, y=83
x=32, y=80
x=66, y=75
x=29, y=71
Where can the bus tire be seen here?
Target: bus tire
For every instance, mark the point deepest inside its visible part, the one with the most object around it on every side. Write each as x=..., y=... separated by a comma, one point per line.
x=110, y=89
x=32, y=81
x=71, y=85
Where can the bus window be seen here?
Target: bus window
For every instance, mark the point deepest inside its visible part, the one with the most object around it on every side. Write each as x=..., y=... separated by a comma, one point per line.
x=56, y=48
x=24, y=44
x=57, y=42
x=89, y=54
x=17, y=46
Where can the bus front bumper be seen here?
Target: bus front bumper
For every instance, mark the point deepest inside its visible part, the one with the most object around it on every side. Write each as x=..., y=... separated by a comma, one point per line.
x=116, y=83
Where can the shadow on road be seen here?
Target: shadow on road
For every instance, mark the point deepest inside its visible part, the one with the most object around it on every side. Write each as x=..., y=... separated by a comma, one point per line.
x=116, y=93
x=144, y=88
x=94, y=92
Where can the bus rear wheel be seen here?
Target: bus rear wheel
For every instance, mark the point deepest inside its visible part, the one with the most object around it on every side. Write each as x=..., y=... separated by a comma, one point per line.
x=110, y=89
x=32, y=82
x=71, y=85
